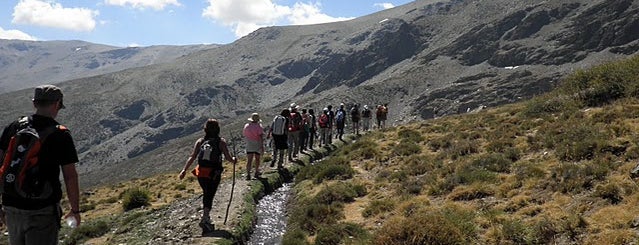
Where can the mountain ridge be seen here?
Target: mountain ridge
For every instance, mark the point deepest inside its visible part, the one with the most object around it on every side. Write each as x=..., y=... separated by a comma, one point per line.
x=425, y=59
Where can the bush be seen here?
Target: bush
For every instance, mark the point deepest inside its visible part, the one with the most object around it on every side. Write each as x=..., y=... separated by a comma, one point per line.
x=448, y=226
x=294, y=237
x=135, y=198
x=406, y=148
x=495, y=162
x=337, y=192
x=410, y=135
x=87, y=231
x=376, y=207
x=336, y=234
x=309, y=217
x=419, y=164
x=361, y=149
x=326, y=170
x=574, y=177
x=610, y=192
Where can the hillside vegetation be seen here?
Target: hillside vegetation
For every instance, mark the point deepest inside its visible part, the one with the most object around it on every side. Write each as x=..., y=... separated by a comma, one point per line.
x=551, y=170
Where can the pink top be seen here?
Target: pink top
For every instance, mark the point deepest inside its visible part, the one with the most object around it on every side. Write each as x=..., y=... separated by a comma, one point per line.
x=253, y=131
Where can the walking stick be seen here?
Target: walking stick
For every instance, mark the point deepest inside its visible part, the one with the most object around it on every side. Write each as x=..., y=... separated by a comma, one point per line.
x=233, y=139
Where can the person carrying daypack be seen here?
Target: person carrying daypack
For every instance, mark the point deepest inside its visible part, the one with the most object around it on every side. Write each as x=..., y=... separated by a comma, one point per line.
x=355, y=116
x=324, y=127
x=304, y=131
x=279, y=132
x=254, y=138
x=366, y=118
x=340, y=121
x=208, y=152
x=312, y=128
x=331, y=123
x=35, y=149
x=294, y=129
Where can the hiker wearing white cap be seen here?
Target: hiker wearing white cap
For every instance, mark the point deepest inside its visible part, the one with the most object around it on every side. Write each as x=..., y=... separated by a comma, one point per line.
x=366, y=118
x=254, y=139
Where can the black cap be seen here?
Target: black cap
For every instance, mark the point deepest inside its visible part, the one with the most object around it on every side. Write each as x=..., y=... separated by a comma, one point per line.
x=49, y=93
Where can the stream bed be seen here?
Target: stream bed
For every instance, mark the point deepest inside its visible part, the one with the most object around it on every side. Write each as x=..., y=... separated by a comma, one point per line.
x=271, y=217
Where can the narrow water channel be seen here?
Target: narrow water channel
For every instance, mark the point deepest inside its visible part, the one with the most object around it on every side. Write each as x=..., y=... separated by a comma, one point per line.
x=271, y=217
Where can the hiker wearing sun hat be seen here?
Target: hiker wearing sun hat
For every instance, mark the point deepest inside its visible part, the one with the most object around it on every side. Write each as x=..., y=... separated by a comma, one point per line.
x=254, y=138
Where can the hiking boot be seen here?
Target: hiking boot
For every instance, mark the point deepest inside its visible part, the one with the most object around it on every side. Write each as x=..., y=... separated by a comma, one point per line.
x=248, y=177
x=273, y=163
x=206, y=226
x=257, y=175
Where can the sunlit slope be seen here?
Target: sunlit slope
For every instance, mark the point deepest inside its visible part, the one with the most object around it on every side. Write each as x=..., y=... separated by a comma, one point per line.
x=552, y=170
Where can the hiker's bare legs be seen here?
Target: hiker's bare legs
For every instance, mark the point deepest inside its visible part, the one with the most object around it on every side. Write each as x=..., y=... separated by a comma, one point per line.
x=257, y=165
x=249, y=163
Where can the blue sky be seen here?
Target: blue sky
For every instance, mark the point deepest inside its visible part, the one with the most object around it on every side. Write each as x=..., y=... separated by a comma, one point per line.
x=168, y=22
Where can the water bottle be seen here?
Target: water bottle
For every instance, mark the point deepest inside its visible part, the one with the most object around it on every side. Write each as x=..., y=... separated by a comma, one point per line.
x=71, y=222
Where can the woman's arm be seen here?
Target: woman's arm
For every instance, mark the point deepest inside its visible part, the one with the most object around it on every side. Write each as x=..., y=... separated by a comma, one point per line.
x=189, y=161
x=225, y=151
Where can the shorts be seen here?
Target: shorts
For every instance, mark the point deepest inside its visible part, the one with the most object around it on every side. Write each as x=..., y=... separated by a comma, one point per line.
x=253, y=147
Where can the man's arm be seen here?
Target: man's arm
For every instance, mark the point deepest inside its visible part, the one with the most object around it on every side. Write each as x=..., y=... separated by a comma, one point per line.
x=73, y=190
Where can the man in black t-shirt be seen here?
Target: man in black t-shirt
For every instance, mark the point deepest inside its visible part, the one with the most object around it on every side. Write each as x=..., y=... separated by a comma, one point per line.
x=38, y=221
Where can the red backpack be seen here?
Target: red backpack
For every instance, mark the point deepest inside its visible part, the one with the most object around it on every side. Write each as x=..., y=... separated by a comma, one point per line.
x=323, y=121
x=20, y=171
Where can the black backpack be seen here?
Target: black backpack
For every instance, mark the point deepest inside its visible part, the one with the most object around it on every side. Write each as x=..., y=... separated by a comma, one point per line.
x=20, y=172
x=210, y=155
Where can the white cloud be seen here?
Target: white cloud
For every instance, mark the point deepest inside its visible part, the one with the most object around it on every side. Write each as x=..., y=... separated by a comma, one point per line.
x=245, y=16
x=305, y=14
x=51, y=14
x=384, y=5
x=142, y=4
x=15, y=34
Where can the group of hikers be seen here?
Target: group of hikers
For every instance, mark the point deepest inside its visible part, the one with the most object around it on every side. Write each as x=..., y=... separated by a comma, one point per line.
x=291, y=132
x=36, y=149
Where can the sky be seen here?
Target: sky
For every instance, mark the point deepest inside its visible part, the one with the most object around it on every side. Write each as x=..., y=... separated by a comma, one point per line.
x=131, y=23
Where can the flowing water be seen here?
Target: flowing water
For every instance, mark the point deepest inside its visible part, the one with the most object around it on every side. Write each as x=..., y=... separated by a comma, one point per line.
x=271, y=217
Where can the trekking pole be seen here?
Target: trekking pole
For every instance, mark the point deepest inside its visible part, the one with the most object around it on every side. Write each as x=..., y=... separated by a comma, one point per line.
x=233, y=139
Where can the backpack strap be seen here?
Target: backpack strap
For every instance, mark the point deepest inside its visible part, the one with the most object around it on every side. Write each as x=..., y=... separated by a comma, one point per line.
x=44, y=133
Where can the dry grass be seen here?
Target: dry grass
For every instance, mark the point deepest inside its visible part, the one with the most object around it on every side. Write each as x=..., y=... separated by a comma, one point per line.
x=560, y=178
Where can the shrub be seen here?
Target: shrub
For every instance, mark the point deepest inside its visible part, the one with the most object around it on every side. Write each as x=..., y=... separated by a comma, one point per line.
x=336, y=234
x=418, y=164
x=135, y=198
x=515, y=231
x=495, y=162
x=88, y=230
x=326, y=170
x=610, y=192
x=448, y=226
x=573, y=177
x=526, y=169
x=466, y=193
x=461, y=148
x=309, y=217
x=473, y=174
x=294, y=237
x=411, y=186
x=376, y=207
x=180, y=187
x=361, y=149
x=406, y=148
x=579, y=141
x=410, y=135
x=336, y=192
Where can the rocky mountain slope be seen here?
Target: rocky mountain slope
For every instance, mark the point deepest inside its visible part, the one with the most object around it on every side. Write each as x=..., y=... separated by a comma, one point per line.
x=426, y=59
x=24, y=64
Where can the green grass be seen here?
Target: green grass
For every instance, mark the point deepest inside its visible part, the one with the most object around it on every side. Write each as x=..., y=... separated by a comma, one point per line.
x=551, y=170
